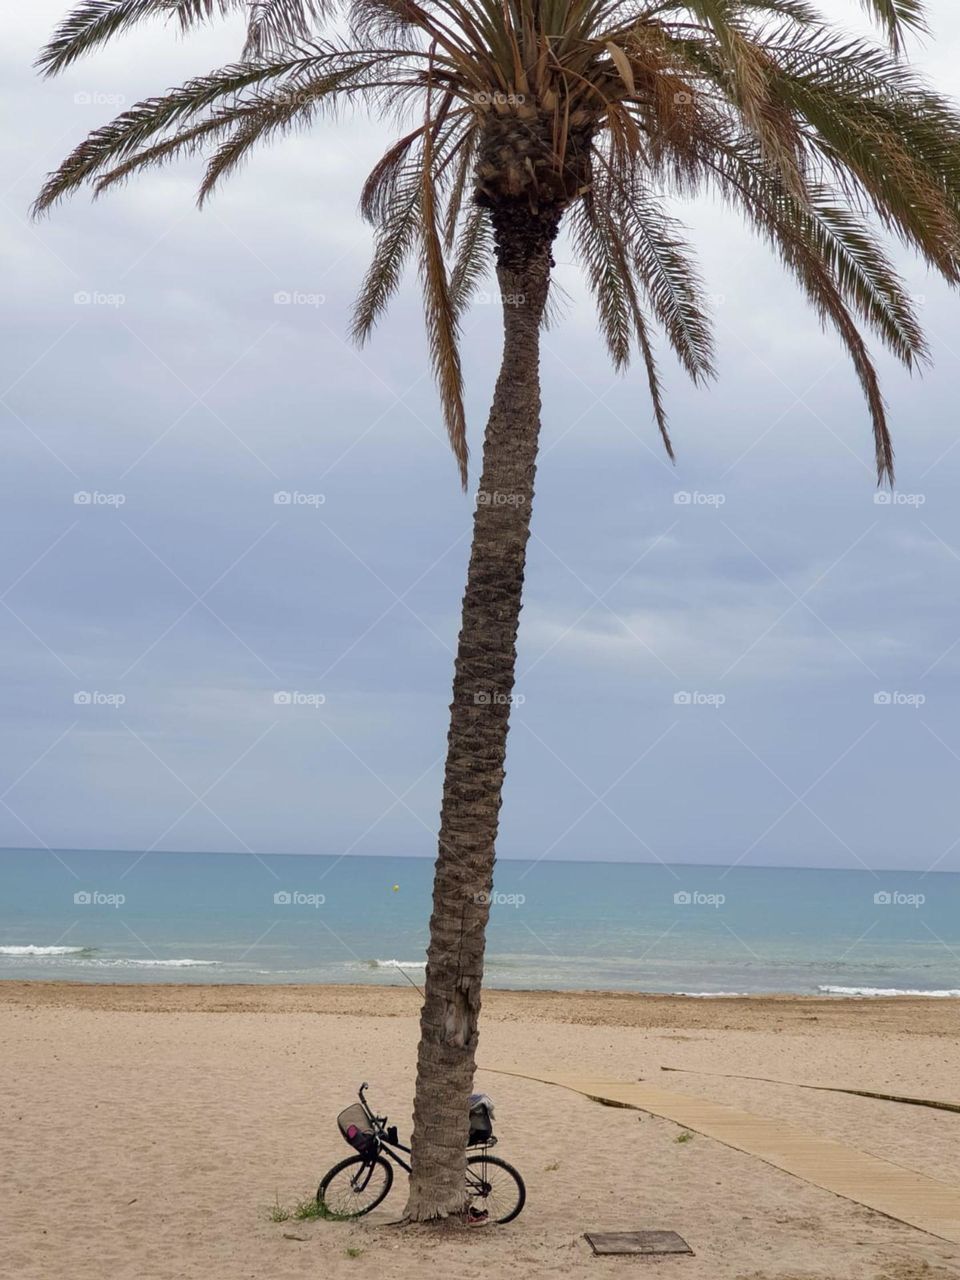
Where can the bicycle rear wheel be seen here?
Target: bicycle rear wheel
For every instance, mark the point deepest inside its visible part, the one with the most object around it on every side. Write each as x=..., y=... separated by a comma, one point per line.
x=355, y=1186
x=494, y=1187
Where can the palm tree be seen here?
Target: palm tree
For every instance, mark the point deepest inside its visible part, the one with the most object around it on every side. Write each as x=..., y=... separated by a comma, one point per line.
x=520, y=115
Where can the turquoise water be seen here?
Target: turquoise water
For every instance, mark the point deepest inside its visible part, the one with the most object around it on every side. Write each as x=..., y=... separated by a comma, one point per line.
x=181, y=917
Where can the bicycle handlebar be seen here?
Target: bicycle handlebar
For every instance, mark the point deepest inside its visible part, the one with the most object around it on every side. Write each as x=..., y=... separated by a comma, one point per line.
x=379, y=1120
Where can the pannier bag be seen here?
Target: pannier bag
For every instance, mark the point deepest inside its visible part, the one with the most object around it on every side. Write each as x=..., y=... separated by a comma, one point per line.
x=356, y=1128
x=481, y=1119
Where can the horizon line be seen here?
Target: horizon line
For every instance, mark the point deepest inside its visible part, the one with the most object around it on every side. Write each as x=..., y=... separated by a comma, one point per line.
x=422, y=857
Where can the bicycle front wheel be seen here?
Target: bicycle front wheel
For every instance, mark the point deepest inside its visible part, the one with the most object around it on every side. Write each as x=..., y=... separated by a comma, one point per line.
x=354, y=1187
x=494, y=1187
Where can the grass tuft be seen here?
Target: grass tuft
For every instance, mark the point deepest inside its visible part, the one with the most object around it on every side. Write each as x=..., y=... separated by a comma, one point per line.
x=277, y=1213
x=313, y=1209
x=306, y=1210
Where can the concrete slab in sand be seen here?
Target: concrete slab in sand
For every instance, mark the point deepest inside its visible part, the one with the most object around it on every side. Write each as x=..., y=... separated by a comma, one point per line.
x=618, y=1243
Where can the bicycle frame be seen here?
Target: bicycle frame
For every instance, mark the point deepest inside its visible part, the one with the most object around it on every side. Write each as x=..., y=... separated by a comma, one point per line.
x=389, y=1148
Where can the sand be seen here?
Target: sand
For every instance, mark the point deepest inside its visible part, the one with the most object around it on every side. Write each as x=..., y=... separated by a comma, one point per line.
x=147, y=1131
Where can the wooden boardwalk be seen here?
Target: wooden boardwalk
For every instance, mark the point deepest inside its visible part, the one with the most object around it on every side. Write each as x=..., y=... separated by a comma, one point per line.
x=901, y=1193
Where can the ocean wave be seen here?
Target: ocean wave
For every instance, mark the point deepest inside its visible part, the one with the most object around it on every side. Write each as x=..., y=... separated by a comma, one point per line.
x=31, y=950
x=887, y=991
x=712, y=995
x=398, y=964
x=124, y=963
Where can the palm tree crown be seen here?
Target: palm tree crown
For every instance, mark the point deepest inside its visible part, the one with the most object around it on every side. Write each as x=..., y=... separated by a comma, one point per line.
x=518, y=112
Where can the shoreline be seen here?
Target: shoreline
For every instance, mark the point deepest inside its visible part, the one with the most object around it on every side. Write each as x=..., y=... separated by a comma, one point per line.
x=907, y=1014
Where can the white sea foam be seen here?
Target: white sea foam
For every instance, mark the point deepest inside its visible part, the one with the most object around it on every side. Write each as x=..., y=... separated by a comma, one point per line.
x=712, y=995
x=40, y=951
x=399, y=964
x=121, y=962
x=124, y=963
x=887, y=991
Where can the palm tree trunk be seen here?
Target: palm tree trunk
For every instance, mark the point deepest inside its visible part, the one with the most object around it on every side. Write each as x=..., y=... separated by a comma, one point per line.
x=477, y=740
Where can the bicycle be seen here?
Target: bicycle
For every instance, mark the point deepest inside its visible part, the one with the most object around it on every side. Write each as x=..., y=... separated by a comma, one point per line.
x=355, y=1186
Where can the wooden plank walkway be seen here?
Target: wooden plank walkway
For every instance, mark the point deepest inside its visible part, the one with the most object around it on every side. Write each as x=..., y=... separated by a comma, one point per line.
x=908, y=1099
x=900, y=1193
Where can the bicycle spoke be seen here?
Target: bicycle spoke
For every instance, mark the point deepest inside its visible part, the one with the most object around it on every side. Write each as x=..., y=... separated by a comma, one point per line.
x=492, y=1189
x=355, y=1189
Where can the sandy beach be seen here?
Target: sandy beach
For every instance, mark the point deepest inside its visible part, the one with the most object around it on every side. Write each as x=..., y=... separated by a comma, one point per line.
x=149, y=1131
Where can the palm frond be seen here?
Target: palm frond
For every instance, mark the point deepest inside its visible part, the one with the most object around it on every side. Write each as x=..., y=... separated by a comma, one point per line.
x=283, y=89
x=472, y=260
x=264, y=115
x=94, y=22
x=439, y=312
x=605, y=257
x=592, y=244
x=462, y=161
x=785, y=224
x=865, y=276
x=272, y=25
x=530, y=111
x=897, y=17
x=665, y=266
x=397, y=225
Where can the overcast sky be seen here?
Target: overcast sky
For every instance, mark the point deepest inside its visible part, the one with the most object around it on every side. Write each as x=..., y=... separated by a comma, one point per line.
x=783, y=608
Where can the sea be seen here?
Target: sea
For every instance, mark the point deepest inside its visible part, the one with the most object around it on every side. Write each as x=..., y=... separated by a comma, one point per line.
x=708, y=931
